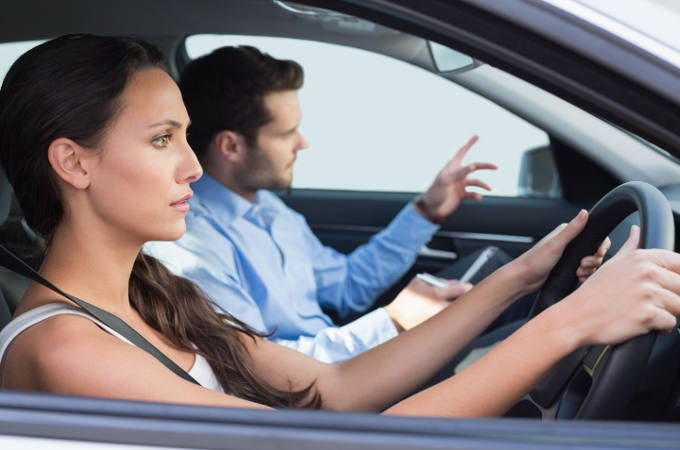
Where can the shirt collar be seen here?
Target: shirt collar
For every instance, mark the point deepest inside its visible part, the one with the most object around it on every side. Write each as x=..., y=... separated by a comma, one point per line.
x=227, y=206
x=219, y=201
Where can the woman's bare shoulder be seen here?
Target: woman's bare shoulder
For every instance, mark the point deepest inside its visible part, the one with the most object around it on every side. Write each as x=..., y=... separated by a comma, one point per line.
x=52, y=349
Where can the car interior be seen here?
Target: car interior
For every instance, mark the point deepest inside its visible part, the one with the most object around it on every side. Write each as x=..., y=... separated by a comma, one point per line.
x=585, y=158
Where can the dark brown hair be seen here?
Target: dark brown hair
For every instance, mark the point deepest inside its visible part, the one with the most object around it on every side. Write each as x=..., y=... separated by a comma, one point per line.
x=70, y=87
x=225, y=90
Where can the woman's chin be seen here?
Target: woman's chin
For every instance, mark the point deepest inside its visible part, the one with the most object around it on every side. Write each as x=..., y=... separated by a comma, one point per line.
x=171, y=234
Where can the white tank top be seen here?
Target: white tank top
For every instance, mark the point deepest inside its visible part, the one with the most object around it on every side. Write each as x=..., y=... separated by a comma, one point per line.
x=200, y=371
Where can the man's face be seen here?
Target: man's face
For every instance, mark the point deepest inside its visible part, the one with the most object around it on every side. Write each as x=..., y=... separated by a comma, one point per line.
x=269, y=163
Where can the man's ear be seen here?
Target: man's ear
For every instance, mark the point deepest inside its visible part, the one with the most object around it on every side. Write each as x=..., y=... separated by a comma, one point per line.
x=66, y=158
x=230, y=145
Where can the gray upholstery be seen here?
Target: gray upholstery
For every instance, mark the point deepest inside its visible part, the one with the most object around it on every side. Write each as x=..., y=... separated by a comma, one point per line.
x=6, y=196
x=5, y=313
x=12, y=286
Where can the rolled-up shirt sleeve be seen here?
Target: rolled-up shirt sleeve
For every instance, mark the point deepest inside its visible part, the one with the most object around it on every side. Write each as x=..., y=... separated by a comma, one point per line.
x=337, y=344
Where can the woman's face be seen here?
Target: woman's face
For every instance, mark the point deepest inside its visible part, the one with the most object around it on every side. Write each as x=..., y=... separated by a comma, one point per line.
x=140, y=172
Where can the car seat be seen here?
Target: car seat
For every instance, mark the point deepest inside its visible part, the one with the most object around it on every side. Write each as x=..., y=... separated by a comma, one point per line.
x=18, y=238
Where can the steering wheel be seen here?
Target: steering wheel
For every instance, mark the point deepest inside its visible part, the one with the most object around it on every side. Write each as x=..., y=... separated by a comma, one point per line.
x=598, y=382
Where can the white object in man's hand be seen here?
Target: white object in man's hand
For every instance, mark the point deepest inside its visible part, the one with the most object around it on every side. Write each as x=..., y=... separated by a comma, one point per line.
x=431, y=279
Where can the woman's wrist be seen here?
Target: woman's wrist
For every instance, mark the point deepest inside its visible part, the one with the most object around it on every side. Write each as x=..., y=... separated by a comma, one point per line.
x=512, y=278
x=561, y=333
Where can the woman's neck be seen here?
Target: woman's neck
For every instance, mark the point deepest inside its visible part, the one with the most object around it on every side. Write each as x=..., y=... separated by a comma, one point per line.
x=92, y=266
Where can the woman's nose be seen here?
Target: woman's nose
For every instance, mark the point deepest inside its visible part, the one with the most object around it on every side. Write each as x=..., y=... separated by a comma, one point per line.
x=191, y=169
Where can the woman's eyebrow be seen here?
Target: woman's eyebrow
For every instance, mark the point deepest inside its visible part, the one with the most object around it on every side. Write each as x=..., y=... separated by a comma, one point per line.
x=172, y=123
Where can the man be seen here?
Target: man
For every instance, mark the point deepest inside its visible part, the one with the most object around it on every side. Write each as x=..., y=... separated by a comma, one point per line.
x=257, y=258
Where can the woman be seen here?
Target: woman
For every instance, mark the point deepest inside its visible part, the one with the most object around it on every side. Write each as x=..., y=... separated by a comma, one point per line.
x=93, y=139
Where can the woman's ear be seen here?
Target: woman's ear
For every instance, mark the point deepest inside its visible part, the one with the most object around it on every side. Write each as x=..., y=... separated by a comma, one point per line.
x=230, y=145
x=66, y=158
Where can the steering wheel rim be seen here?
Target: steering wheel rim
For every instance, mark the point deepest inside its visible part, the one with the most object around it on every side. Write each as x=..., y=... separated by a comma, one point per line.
x=616, y=370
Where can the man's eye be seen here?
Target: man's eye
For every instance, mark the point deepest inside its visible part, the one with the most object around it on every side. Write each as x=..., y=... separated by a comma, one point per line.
x=161, y=141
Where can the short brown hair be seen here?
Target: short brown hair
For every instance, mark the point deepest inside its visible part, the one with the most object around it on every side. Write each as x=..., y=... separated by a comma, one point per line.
x=225, y=90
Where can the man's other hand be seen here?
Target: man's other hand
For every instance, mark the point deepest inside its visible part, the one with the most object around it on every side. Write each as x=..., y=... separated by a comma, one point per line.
x=420, y=300
x=450, y=186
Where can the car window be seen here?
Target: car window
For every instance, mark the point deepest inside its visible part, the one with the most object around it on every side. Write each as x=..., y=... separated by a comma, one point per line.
x=375, y=123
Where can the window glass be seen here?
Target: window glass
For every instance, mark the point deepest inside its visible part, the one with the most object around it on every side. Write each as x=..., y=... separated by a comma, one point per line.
x=376, y=123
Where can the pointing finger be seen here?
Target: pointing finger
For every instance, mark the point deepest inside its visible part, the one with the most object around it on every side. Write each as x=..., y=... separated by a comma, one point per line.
x=464, y=149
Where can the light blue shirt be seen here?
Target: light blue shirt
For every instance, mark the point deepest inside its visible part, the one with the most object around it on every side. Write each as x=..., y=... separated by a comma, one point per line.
x=262, y=263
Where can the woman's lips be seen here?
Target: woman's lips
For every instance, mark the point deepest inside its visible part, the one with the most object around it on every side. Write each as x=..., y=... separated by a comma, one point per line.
x=182, y=204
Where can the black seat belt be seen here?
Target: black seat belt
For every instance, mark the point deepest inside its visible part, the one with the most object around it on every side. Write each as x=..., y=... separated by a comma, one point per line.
x=13, y=263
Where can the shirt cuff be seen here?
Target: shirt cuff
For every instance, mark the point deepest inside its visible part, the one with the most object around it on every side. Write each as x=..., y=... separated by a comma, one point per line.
x=410, y=228
x=412, y=213
x=373, y=328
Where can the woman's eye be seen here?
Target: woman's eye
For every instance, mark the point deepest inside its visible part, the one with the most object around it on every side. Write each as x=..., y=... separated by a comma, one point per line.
x=161, y=141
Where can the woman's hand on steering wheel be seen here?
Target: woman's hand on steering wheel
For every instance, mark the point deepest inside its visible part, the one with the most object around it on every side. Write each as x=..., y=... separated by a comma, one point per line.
x=536, y=263
x=636, y=291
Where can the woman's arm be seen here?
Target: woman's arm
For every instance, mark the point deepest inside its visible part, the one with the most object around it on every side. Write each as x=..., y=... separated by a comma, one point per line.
x=633, y=293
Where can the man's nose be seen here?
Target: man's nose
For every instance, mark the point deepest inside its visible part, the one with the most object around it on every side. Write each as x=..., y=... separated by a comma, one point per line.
x=302, y=142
